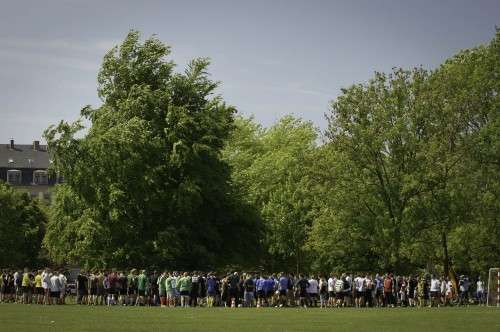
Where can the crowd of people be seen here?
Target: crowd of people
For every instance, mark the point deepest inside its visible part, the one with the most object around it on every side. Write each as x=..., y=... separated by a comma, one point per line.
x=192, y=289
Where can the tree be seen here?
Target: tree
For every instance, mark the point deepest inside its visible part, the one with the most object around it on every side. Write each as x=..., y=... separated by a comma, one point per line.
x=414, y=168
x=146, y=184
x=268, y=165
x=22, y=226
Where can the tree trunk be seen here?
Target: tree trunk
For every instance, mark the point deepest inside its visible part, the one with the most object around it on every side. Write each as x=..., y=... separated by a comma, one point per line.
x=446, y=258
x=298, y=261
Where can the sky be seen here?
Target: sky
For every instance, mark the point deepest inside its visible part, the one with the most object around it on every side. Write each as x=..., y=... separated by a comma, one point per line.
x=272, y=57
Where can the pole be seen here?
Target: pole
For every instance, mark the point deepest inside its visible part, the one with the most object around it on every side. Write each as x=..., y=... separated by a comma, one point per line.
x=498, y=288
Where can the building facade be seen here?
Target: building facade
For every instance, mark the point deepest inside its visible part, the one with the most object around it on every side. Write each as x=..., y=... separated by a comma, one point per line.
x=25, y=167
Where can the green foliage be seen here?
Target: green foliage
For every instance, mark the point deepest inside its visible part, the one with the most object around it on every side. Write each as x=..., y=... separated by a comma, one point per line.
x=268, y=165
x=413, y=176
x=22, y=225
x=146, y=184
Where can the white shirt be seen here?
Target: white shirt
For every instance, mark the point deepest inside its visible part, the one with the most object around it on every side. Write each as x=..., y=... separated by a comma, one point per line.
x=16, y=278
x=313, y=286
x=435, y=285
x=359, y=283
x=55, y=284
x=45, y=280
x=480, y=286
x=339, y=285
x=331, y=285
x=63, y=280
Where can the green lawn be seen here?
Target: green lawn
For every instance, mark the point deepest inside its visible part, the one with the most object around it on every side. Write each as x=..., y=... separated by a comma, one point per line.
x=17, y=317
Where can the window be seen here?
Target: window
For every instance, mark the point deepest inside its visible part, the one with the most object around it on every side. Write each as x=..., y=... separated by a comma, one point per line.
x=40, y=177
x=14, y=176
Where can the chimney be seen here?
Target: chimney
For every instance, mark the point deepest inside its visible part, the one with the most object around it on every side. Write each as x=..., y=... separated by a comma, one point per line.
x=36, y=145
x=12, y=144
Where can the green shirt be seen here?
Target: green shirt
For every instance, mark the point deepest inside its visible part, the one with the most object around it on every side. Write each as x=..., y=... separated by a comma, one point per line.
x=142, y=281
x=161, y=283
x=168, y=284
x=184, y=284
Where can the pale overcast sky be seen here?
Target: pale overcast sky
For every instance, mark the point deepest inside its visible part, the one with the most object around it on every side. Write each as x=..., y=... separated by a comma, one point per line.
x=273, y=57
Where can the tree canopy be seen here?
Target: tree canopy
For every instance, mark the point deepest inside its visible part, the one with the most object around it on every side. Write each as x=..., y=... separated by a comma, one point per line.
x=146, y=184
x=22, y=226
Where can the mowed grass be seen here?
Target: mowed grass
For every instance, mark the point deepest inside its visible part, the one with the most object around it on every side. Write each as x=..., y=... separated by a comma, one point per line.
x=16, y=317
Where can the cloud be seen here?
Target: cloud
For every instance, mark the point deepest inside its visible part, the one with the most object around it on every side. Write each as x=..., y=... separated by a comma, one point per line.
x=85, y=56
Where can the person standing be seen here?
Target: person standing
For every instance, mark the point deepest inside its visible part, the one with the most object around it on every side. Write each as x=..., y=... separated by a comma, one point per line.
x=184, y=286
x=142, y=281
x=388, y=290
x=312, y=291
x=81, y=287
x=283, y=289
x=63, y=281
x=360, y=286
x=211, y=290
x=480, y=291
x=435, y=291
x=162, y=289
x=323, y=292
x=46, y=285
x=55, y=288
x=302, y=286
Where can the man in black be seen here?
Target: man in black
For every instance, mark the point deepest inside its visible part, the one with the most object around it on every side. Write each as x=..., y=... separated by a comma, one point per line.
x=234, y=281
x=248, y=291
x=195, y=289
x=81, y=286
x=302, y=285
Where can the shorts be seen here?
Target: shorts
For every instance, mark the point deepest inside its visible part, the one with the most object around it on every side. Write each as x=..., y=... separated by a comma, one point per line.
x=233, y=292
x=302, y=293
x=269, y=293
x=261, y=294
x=339, y=295
x=26, y=289
x=434, y=294
x=55, y=294
x=142, y=292
x=171, y=295
x=184, y=293
x=132, y=291
x=331, y=294
x=360, y=294
x=163, y=292
x=112, y=291
x=283, y=292
x=39, y=290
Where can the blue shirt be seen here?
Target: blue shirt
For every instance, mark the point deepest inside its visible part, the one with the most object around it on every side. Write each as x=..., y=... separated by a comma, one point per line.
x=268, y=285
x=283, y=283
x=211, y=284
x=260, y=284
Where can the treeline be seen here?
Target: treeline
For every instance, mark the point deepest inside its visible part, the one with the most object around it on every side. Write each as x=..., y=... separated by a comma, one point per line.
x=405, y=177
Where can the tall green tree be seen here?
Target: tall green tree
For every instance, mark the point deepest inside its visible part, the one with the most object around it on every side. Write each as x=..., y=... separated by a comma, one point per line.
x=146, y=184
x=268, y=165
x=22, y=226
x=413, y=158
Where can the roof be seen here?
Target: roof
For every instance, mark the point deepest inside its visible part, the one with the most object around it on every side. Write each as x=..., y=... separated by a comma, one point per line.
x=23, y=156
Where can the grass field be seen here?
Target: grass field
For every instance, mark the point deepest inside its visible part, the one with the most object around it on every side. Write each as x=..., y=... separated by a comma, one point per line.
x=16, y=317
